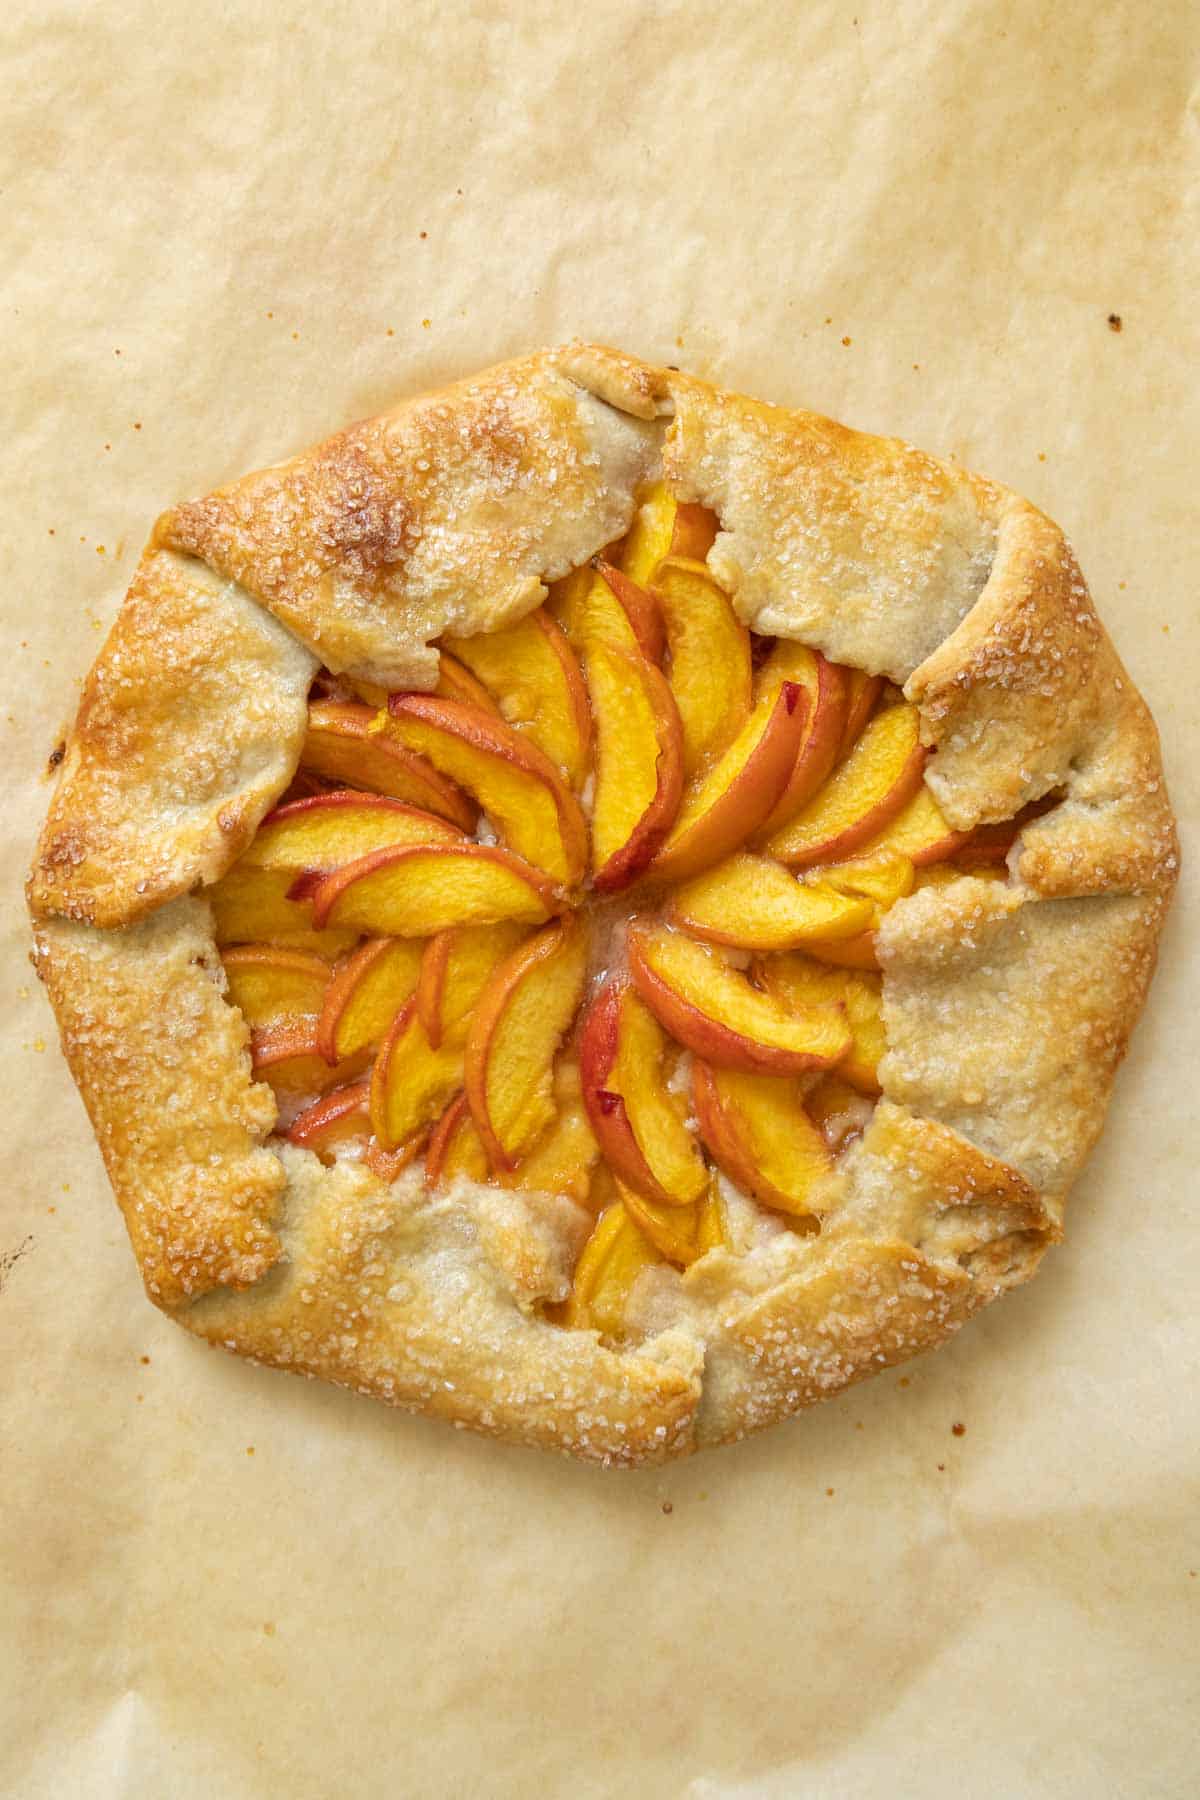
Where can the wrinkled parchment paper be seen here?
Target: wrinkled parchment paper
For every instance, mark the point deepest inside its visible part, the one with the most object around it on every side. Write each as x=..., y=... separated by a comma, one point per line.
x=229, y=229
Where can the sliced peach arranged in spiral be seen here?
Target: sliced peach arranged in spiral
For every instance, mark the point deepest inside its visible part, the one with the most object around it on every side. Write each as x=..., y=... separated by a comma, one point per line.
x=639, y=763
x=640, y=608
x=458, y=681
x=673, y=1230
x=411, y=890
x=251, y=906
x=637, y=1121
x=411, y=1082
x=385, y=1165
x=846, y=953
x=799, y=983
x=268, y=982
x=522, y=1016
x=529, y=672
x=877, y=779
x=664, y=526
x=758, y=1132
x=562, y=1159
x=709, y=672
x=918, y=831
x=715, y=1011
x=455, y=966
x=882, y=877
x=827, y=688
x=340, y=746
x=337, y=1119
x=366, y=993
x=455, y=1149
x=343, y=1118
x=326, y=830
x=754, y=903
x=286, y=1055
x=729, y=801
x=516, y=785
x=587, y=607
x=611, y=1261
x=862, y=694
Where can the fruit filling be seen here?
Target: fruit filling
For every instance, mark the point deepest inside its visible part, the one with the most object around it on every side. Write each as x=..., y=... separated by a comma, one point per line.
x=596, y=917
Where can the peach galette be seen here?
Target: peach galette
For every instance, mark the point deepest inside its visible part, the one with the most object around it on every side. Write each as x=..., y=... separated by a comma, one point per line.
x=598, y=908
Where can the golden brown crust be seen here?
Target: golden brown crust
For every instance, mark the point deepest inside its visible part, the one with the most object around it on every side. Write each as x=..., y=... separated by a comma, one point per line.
x=1007, y=1016
x=1007, y=1008
x=867, y=1306
x=445, y=515
x=162, y=1062
x=1027, y=698
x=431, y=1302
x=190, y=724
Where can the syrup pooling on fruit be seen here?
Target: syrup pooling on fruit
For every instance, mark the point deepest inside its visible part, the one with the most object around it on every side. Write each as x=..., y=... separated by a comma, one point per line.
x=596, y=917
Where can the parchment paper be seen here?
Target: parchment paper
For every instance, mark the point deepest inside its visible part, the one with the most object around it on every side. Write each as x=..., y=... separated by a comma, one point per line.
x=229, y=229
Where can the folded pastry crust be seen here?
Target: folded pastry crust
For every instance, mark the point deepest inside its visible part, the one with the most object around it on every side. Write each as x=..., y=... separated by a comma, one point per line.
x=1007, y=1007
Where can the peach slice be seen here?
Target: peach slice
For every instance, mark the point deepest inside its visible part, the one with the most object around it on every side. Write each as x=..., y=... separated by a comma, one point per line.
x=862, y=692
x=587, y=609
x=611, y=1261
x=515, y=783
x=454, y=682
x=756, y=904
x=639, y=764
x=286, y=1055
x=412, y=890
x=602, y=1189
x=562, y=1160
x=673, y=1230
x=538, y=687
x=845, y=953
x=268, y=983
x=799, y=983
x=882, y=878
x=365, y=995
x=326, y=830
x=455, y=1148
x=337, y=1119
x=919, y=831
x=759, y=1133
x=992, y=843
x=640, y=607
x=303, y=785
x=385, y=1165
x=880, y=775
x=662, y=527
x=251, y=906
x=713, y=1009
x=455, y=965
x=522, y=1016
x=709, y=673
x=457, y=681
x=827, y=688
x=411, y=1082
x=341, y=746
x=714, y=1232
x=730, y=800
x=635, y=1118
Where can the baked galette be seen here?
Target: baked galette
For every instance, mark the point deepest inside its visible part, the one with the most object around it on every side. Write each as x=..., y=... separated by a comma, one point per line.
x=599, y=908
